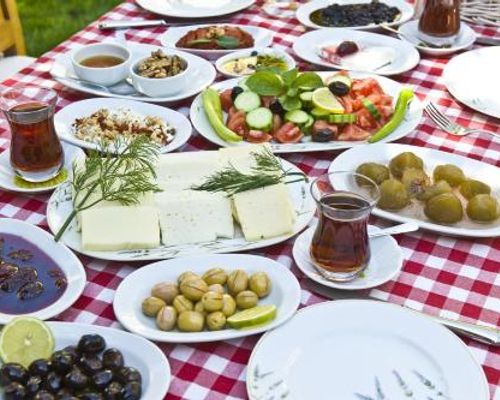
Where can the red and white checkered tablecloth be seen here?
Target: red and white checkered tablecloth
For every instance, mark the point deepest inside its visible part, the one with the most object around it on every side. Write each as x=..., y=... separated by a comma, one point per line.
x=446, y=276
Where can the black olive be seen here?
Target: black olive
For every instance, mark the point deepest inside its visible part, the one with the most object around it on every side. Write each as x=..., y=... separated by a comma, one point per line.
x=112, y=359
x=66, y=396
x=40, y=367
x=65, y=393
x=90, y=364
x=102, y=378
x=132, y=391
x=12, y=372
x=73, y=351
x=254, y=53
x=91, y=396
x=61, y=361
x=53, y=382
x=14, y=391
x=235, y=92
x=128, y=374
x=347, y=47
x=91, y=344
x=44, y=395
x=339, y=88
x=323, y=135
x=276, y=107
x=33, y=385
x=113, y=391
x=76, y=379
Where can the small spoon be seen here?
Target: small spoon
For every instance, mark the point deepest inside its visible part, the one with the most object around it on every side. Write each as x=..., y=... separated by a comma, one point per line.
x=121, y=88
x=394, y=230
x=420, y=43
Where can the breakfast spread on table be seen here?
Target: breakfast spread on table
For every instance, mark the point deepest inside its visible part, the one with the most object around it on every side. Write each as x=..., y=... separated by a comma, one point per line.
x=130, y=198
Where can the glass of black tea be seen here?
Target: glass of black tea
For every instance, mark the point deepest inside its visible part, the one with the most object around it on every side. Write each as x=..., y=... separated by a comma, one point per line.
x=36, y=154
x=340, y=249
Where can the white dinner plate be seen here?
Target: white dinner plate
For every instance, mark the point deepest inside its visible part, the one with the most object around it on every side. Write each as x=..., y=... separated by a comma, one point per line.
x=71, y=153
x=65, y=118
x=285, y=295
x=382, y=153
x=465, y=39
x=402, y=55
x=410, y=121
x=60, y=206
x=363, y=350
x=385, y=263
x=202, y=76
x=194, y=8
x=262, y=38
x=480, y=93
x=62, y=257
x=305, y=10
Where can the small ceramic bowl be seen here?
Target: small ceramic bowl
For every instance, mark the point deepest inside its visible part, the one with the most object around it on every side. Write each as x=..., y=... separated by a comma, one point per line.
x=105, y=76
x=159, y=87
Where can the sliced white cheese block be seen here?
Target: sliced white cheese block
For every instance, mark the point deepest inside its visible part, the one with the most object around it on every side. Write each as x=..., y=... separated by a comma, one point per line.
x=241, y=157
x=370, y=58
x=120, y=228
x=189, y=166
x=264, y=213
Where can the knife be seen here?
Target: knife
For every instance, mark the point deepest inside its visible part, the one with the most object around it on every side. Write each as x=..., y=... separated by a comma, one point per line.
x=125, y=24
x=481, y=333
x=489, y=41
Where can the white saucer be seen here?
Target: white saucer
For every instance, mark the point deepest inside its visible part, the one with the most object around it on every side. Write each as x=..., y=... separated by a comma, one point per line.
x=7, y=175
x=385, y=263
x=465, y=39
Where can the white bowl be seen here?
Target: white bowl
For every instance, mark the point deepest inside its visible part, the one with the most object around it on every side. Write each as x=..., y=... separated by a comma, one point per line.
x=106, y=76
x=158, y=87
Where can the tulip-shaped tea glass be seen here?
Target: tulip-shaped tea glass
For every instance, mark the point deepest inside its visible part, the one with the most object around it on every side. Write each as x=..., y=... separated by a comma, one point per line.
x=340, y=249
x=36, y=154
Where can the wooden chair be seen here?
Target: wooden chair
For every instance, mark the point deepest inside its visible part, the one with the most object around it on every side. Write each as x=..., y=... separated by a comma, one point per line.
x=11, y=41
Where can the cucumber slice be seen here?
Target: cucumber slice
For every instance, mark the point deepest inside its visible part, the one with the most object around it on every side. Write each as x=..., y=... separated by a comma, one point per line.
x=247, y=101
x=342, y=118
x=306, y=97
x=306, y=128
x=319, y=113
x=340, y=78
x=372, y=109
x=298, y=117
x=260, y=119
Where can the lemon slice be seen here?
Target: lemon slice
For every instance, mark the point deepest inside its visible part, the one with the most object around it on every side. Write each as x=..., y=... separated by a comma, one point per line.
x=323, y=99
x=252, y=317
x=24, y=340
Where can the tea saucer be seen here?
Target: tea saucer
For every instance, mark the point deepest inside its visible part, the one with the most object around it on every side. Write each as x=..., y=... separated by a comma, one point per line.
x=7, y=175
x=385, y=263
x=466, y=37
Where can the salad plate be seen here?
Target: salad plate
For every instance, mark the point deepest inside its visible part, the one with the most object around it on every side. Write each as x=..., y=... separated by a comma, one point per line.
x=65, y=118
x=285, y=295
x=203, y=74
x=194, y=8
x=473, y=169
x=346, y=350
x=59, y=254
x=380, y=54
x=392, y=88
x=480, y=95
x=8, y=177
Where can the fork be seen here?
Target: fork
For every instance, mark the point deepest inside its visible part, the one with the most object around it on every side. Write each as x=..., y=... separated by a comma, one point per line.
x=449, y=126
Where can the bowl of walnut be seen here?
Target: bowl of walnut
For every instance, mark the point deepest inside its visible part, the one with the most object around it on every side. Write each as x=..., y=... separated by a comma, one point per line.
x=160, y=74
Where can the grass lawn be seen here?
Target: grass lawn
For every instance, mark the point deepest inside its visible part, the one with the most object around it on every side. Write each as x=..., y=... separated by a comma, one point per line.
x=47, y=23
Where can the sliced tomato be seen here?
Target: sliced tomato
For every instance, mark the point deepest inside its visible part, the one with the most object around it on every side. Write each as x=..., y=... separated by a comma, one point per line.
x=236, y=121
x=226, y=100
x=254, y=136
x=353, y=132
x=288, y=133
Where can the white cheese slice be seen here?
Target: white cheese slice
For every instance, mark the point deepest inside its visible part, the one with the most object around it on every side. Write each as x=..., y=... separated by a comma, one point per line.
x=189, y=166
x=241, y=157
x=120, y=228
x=264, y=213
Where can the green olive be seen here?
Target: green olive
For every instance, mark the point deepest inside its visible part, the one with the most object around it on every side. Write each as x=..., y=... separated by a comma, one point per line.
x=186, y=275
x=181, y=303
x=403, y=161
x=376, y=172
x=166, y=318
x=237, y=281
x=393, y=195
x=190, y=321
x=216, y=287
x=445, y=208
x=246, y=299
x=216, y=321
x=415, y=181
x=470, y=187
x=212, y=301
x=215, y=275
x=449, y=173
x=438, y=188
x=228, y=305
x=193, y=288
x=198, y=307
x=165, y=291
x=483, y=208
x=152, y=305
x=260, y=284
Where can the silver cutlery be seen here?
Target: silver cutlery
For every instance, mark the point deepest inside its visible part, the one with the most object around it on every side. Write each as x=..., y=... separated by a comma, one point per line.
x=449, y=126
x=480, y=333
x=411, y=40
x=126, y=24
x=488, y=41
x=121, y=88
x=396, y=229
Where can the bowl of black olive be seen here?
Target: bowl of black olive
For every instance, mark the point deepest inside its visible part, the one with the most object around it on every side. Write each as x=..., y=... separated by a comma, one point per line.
x=90, y=363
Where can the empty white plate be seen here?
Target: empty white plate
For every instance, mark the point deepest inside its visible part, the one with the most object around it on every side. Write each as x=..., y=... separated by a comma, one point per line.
x=194, y=8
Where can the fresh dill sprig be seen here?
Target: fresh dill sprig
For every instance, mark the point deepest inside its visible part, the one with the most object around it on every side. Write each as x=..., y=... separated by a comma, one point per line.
x=123, y=176
x=267, y=171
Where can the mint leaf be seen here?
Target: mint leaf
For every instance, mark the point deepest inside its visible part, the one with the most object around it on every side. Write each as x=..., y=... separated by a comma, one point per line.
x=308, y=81
x=265, y=83
x=228, y=42
x=289, y=76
